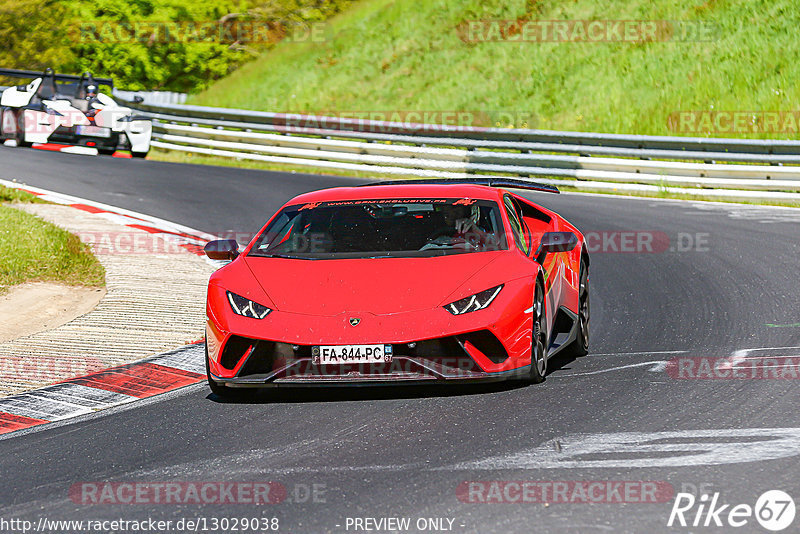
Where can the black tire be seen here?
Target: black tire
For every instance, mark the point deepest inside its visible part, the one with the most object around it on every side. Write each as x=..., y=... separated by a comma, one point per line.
x=5, y=115
x=538, y=368
x=21, y=129
x=139, y=154
x=580, y=346
x=217, y=389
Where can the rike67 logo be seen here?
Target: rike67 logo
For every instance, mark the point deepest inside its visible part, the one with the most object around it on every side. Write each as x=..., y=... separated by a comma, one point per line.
x=774, y=510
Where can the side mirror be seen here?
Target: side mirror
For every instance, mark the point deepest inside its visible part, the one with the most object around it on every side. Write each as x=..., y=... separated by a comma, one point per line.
x=222, y=249
x=555, y=242
x=137, y=99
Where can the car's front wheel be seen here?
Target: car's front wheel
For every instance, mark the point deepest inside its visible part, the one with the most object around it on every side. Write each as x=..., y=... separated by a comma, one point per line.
x=539, y=338
x=216, y=388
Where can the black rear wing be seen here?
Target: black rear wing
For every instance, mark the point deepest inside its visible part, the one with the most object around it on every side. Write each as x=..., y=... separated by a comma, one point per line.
x=50, y=74
x=500, y=181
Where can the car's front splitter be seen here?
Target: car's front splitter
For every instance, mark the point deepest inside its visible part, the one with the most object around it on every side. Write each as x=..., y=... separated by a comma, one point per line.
x=401, y=371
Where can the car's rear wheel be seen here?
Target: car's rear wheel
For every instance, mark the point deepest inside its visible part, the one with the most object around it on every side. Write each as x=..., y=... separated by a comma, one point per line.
x=580, y=346
x=539, y=338
x=13, y=125
x=21, y=129
x=216, y=388
x=8, y=124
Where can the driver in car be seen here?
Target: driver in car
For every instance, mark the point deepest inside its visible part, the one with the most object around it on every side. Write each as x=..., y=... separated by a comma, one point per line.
x=91, y=98
x=462, y=219
x=461, y=224
x=91, y=93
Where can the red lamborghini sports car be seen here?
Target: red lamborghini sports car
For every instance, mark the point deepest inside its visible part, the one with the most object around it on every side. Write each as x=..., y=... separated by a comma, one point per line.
x=399, y=282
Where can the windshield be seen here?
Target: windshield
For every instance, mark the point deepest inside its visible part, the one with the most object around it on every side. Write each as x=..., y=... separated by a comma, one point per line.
x=383, y=228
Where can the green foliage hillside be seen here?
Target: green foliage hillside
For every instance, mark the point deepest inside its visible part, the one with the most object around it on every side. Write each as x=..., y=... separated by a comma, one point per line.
x=412, y=55
x=179, y=45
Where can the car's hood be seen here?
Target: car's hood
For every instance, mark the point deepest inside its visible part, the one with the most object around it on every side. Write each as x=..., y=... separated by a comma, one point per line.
x=378, y=286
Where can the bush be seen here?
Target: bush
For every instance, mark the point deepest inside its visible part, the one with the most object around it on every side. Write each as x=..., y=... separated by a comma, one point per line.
x=176, y=45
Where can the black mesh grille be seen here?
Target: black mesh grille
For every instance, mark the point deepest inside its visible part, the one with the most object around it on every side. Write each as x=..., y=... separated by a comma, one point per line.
x=270, y=355
x=434, y=356
x=234, y=349
x=488, y=344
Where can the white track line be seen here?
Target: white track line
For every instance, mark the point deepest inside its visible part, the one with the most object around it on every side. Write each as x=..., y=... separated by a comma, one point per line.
x=660, y=365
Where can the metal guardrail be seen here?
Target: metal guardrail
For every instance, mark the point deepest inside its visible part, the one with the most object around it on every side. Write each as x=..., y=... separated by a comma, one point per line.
x=751, y=169
x=151, y=97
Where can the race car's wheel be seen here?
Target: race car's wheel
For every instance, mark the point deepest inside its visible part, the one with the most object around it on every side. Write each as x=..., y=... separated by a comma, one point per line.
x=580, y=347
x=8, y=124
x=539, y=341
x=217, y=389
x=13, y=125
x=138, y=154
x=21, y=129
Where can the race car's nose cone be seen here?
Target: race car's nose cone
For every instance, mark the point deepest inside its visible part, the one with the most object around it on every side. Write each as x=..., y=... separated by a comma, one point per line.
x=377, y=286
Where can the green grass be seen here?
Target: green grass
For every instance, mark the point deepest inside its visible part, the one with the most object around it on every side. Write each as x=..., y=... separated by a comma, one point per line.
x=35, y=250
x=407, y=55
x=8, y=194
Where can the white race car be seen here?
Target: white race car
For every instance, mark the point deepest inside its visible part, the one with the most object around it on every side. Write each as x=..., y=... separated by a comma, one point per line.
x=67, y=111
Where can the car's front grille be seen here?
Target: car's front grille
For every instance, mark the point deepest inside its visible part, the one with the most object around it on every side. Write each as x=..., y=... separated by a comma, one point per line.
x=235, y=349
x=488, y=344
x=442, y=357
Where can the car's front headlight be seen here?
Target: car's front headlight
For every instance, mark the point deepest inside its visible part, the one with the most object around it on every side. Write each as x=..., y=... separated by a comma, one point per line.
x=476, y=302
x=246, y=307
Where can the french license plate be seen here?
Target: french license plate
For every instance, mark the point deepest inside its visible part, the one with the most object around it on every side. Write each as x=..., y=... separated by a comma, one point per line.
x=349, y=354
x=93, y=131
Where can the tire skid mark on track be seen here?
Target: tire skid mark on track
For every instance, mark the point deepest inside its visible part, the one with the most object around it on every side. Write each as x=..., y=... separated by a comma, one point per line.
x=733, y=361
x=104, y=389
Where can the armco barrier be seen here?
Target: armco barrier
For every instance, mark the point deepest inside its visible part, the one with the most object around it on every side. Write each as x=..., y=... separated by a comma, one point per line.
x=720, y=168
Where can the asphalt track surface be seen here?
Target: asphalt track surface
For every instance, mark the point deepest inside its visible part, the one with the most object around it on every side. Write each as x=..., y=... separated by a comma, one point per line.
x=404, y=452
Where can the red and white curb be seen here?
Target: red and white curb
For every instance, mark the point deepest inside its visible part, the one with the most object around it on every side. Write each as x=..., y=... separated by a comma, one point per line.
x=117, y=385
x=185, y=237
x=104, y=389
x=69, y=149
